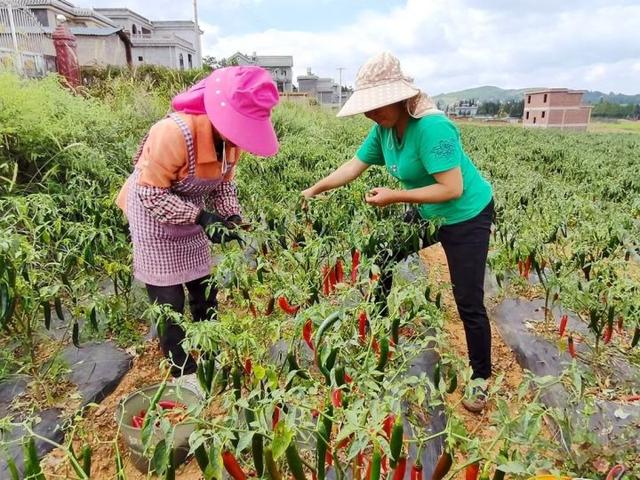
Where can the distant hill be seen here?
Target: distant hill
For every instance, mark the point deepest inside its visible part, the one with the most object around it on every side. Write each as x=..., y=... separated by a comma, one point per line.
x=497, y=94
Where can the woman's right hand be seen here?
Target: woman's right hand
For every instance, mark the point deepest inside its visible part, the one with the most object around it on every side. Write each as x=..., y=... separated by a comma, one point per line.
x=308, y=193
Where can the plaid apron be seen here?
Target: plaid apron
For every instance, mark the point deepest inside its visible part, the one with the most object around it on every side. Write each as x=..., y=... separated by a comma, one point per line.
x=170, y=254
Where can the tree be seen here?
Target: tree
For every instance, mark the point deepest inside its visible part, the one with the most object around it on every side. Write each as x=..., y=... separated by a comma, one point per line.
x=213, y=63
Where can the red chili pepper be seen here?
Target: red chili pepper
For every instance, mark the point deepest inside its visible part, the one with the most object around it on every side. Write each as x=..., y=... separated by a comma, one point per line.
x=375, y=346
x=472, y=471
x=607, y=334
x=254, y=311
x=563, y=324
x=328, y=458
x=347, y=378
x=336, y=398
x=315, y=413
x=355, y=262
x=416, y=472
x=344, y=442
x=307, y=333
x=374, y=277
x=284, y=305
x=521, y=268
x=339, y=271
x=275, y=418
x=332, y=279
x=232, y=467
x=387, y=425
x=367, y=475
x=142, y=414
x=248, y=366
x=362, y=326
x=384, y=465
x=572, y=348
x=168, y=405
x=136, y=421
x=633, y=398
x=401, y=468
x=326, y=289
x=527, y=267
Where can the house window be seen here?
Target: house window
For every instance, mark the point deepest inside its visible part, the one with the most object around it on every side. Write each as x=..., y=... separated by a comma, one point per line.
x=42, y=16
x=181, y=60
x=545, y=98
x=134, y=30
x=543, y=114
x=190, y=60
x=527, y=116
x=529, y=99
x=140, y=59
x=534, y=120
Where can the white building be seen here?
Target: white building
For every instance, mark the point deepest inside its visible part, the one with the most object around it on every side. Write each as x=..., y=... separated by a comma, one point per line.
x=280, y=67
x=324, y=89
x=173, y=44
x=100, y=41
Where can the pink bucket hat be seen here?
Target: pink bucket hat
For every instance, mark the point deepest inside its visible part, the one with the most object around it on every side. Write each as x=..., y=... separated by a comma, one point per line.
x=379, y=82
x=238, y=102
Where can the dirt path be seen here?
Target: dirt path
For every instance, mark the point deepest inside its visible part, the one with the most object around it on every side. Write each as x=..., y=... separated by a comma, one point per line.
x=502, y=356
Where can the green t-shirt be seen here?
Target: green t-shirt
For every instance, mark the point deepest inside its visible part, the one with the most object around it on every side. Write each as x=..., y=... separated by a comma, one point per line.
x=430, y=145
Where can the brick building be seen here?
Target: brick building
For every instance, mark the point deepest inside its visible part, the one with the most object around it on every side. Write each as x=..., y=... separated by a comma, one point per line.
x=556, y=108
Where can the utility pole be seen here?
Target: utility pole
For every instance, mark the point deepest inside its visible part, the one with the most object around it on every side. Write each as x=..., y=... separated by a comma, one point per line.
x=198, y=44
x=340, y=69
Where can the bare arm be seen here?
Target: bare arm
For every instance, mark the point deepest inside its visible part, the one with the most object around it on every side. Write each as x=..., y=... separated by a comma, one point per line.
x=344, y=174
x=448, y=187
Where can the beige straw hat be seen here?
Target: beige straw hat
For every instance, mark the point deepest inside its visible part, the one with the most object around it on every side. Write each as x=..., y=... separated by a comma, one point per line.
x=379, y=82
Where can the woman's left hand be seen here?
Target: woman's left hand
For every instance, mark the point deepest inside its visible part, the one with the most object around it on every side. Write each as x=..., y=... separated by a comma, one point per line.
x=381, y=197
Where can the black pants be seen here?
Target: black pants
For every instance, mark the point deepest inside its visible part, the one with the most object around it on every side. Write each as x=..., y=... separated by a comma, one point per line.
x=202, y=307
x=465, y=245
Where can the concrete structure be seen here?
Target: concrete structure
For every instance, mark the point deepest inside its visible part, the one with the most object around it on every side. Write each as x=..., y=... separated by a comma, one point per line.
x=324, y=89
x=280, y=67
x=463, y=108
x=173, y=44
x=99, y=40
x=556, y=108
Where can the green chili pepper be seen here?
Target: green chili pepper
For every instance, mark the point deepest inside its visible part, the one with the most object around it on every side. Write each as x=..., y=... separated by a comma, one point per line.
x=201, y=457
x=384, y=354
x=325, y=325
x=47, y=314
x=294, y=367
x=272, y=468
x=86, y=460
x=322, y=442
x=58, y=305
x=170, y=474
x=376, y=461
x=395, y=330
x=257, y=445
x=396, y=441
x=236, y=376
x=294, y=461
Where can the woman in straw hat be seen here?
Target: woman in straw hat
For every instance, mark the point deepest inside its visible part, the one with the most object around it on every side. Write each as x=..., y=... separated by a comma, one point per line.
x=421, y=148
x=186, y=162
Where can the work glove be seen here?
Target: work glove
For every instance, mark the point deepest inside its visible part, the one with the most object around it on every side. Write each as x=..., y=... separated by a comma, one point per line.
x=218, y=228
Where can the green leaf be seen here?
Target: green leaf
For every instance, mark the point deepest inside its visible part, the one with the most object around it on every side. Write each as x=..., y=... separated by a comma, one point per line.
x=282, y=437
x=259, y=372
x=513, y=467
x=245, y=441
x=160, y=458
x=215, y=467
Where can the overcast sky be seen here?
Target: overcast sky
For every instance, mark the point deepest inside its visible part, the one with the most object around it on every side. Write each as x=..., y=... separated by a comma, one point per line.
x=445, y=45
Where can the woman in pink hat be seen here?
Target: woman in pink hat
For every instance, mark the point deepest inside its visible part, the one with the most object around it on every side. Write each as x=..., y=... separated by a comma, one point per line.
x=185, y=166
x=421, y=148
